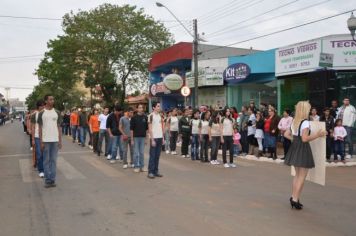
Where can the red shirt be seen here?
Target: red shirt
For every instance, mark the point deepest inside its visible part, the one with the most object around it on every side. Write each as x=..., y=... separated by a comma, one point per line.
x=268, y=124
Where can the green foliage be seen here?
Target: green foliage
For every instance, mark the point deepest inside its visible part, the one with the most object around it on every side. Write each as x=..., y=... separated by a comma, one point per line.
x=110, y=45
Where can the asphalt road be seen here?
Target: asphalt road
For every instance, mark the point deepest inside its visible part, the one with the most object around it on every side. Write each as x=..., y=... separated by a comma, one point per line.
x=94, y=197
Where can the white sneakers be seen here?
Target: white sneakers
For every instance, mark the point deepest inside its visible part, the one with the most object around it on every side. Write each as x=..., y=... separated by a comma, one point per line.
x=174, y=153
x=112, y=161
x=167, y=152
x=215, y=162
x=90, y=147
x=348, y=156
x=132, y=165
x=226, y=165
x=183, y=156
x=232, y=165
x=41, y=175
x=108, y=157
x=125, y=166
x=137, y=170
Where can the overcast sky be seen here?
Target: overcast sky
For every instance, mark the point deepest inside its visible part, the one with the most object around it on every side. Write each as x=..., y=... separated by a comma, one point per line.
x=222, y=22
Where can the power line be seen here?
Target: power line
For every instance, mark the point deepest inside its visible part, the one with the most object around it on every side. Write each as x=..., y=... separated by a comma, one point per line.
x=231, y=11
x=207, y=14
x=35, y=55
x=280, y=31
x=268, y=19
x=222, y=9
x=30, y=18
x=256, y=16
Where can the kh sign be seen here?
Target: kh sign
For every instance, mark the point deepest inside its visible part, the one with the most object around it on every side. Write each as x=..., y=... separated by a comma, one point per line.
x=236, y=73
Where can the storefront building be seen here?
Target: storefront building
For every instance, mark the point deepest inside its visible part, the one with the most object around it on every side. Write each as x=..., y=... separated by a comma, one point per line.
x=251, y=77
x=318, y=70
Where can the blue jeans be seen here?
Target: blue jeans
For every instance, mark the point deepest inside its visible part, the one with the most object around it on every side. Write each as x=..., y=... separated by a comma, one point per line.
x=103, y=134
x=236, y=150
x=39, y=155
x=115, y=143
x=348, y=139
x=195, y=147
x=339, y=149
x=139, y=147
x=50, y=154
x=155, y=153
x=74, y=132
x=83, y=134
x=270, y=141
x=126, y=145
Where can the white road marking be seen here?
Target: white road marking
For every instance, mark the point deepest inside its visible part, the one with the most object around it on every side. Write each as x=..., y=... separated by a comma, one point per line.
x=68, y=170
x=106, y=169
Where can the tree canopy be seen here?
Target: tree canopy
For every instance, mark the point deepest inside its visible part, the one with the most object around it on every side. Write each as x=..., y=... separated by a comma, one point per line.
x=108, y=46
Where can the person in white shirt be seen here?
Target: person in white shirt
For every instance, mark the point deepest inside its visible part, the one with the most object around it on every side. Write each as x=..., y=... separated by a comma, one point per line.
x=348, y=115
x=36, y=138
x=314, y=115
x=227, y=130
x=155, y=129
x=204, y=136
x=339, y=137
x=103, y=133
x=173, y=129
x=49, y=121
x=195, y=123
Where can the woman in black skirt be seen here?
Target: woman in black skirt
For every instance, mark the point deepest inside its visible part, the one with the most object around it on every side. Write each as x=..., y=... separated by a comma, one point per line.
x=299, y=154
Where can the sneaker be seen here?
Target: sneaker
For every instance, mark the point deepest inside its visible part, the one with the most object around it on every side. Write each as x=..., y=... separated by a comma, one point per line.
x=108, y=157
x=174, y=153
x=150, y=176
x=159, y=175
x=125, y=166
x=31, y=148
x=232, y=165
x=226, y=165
x=143, y=170
x=112, y=161
x=187, y=156
x=117, y=157
x=167, y=152
x=348, y=156
x=41, y=175
x=91, y=147
x=132, y=166
x=183, y=156
x=217, y=162
x=48, y=185
x=137, y=170
x=212, y=162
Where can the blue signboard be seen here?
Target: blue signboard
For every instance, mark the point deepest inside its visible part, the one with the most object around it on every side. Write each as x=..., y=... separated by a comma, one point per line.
x=236, y=73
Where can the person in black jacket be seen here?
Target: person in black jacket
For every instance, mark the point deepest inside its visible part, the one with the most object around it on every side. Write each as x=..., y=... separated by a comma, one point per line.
x=139, y=127
x=66, y=124
x=185, y=132
x=259, y=135
x=329, y=127
x=112, y=125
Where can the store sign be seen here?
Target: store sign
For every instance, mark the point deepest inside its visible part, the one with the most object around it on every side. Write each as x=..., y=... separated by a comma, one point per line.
x=173, y=81
x=344, y=50
x=185, y=91
x=215, y=97
x=214, y=76
x=236, y=73
x=159, y=88
x=326, y=60
x=299, y=58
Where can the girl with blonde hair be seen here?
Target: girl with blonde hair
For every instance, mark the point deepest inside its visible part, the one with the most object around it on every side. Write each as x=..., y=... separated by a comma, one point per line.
x=300, y=155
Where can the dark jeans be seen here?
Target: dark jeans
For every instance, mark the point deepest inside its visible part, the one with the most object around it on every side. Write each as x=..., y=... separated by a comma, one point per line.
x=185, y=144
x=243, y=141
x=95, y=138
x=195, y=147
x=39, y=155
x=215, y=143
x=155, y=153
x=228, y=145
x=329, y=146
x=286, y=145
x=103, y=133
x=173, y=141
x=204, y=147
x=75, y=132
x=339, y=149
x=65, y=129
x=348, y=139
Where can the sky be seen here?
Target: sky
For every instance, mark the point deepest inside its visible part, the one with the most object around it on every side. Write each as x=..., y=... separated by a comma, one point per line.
x=23, y=42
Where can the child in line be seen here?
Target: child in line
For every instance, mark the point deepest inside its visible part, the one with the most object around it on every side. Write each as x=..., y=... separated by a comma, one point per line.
x=237, y=144
x=339, y=137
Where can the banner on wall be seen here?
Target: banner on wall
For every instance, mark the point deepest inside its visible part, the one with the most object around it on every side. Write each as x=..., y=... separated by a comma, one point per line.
x=215, y=97
x=211, y=76
x=343, y=49
x=299, y=58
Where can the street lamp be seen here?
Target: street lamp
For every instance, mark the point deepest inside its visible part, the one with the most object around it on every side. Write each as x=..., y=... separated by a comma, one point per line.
x=195, y=50
x=351, y=24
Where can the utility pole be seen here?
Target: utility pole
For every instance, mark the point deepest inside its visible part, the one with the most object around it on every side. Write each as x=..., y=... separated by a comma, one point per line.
x=195, y=58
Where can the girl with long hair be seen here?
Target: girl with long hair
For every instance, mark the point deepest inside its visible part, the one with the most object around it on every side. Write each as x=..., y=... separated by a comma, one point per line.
x=300, y=155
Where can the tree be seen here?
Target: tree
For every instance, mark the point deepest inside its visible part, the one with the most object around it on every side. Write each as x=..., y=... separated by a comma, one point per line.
x=114, y=45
